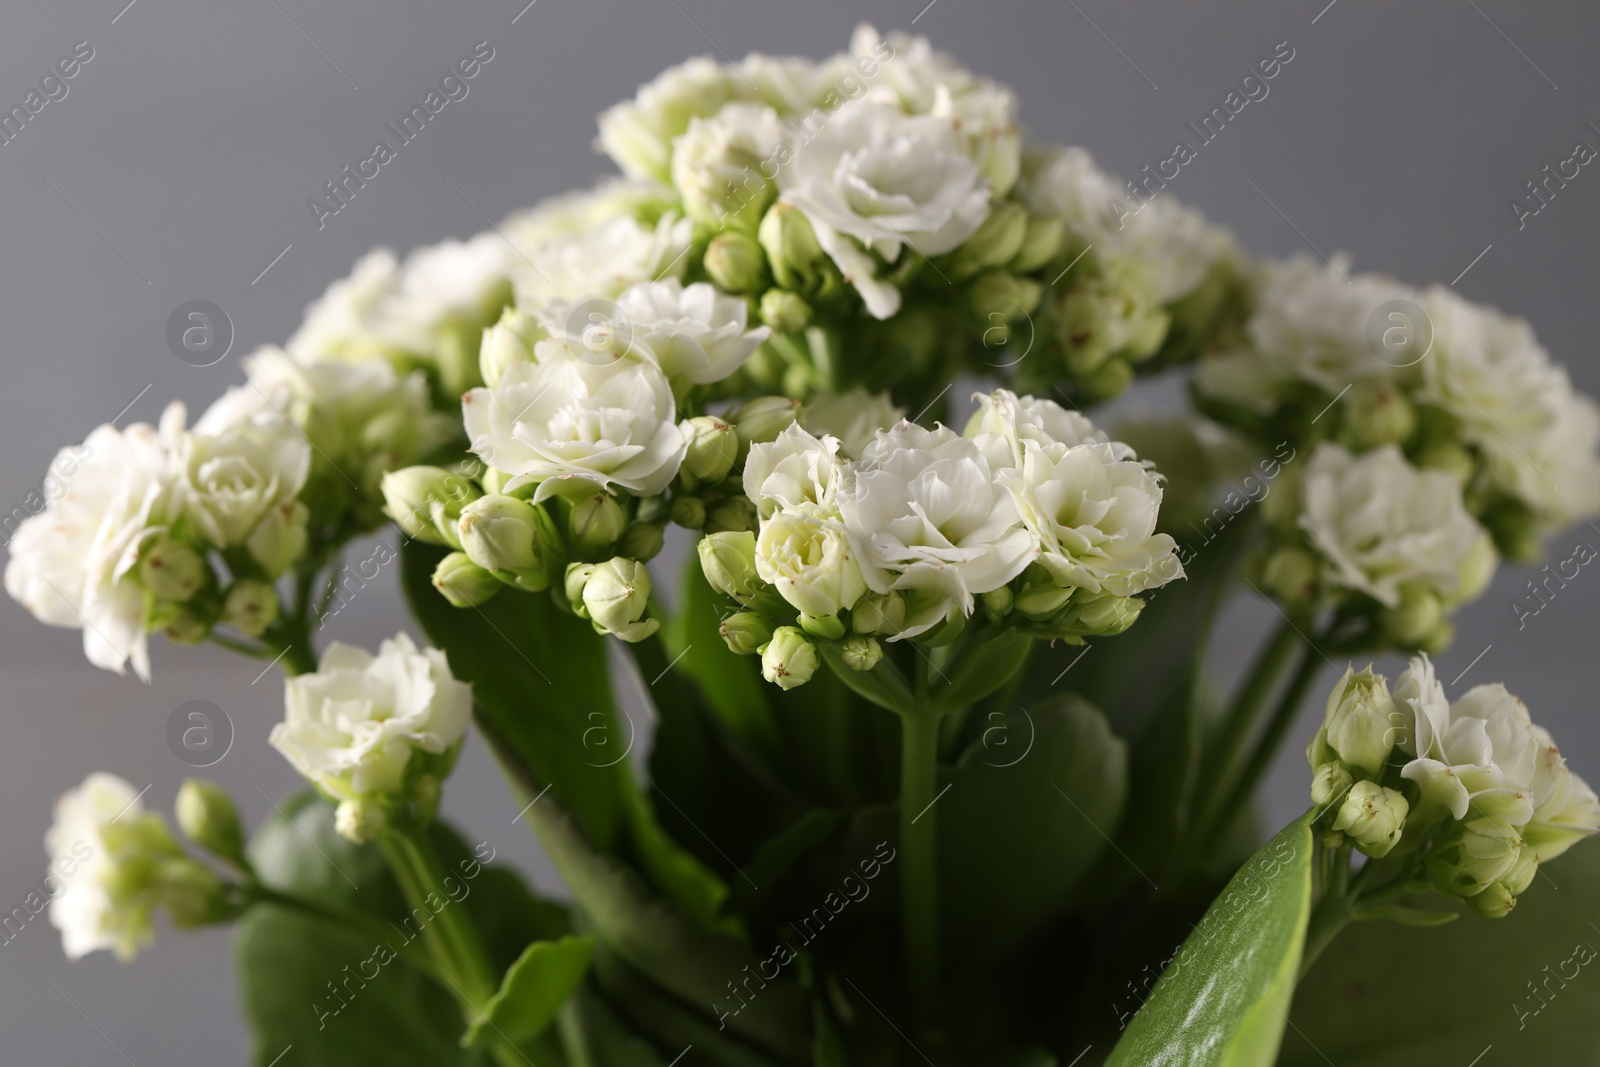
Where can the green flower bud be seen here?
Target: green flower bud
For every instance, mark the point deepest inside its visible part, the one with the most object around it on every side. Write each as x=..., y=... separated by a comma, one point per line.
x=462, y=582
x=185, y=626
x=192, y=893
x=596, y=521
x=1438, y=639
x=763, y=419
x=1041, y=601
x=250, y=606
x=425, y=795
x=1515, y=530
x=689, y=512
x=861, y=653
x=1496, y=901
x=728, y=559
x=279, y=539
x=1372, y=817
x=171, y=570
x=616, y=596
x=1101, y=615
x=1104, y=319
x=361, y=819
x=1449, y=457
x=508, y=341
x=1474, y=572
x=736, y=514
x=997, y=602
x=425, y=502
x=1417, y=615
x=1041, y=243
x=796, y=259
x=784, y=311
x=572, y=584
x=512, y=538
x=745, y=633
x=1359, y=719
x=790, y=659
x=827, y=627
x=999, y=296
x=879, y=613
x=1290, y=574
x=1111, y=379
x=207, y=817
x=1474, y=855
x=1329, y=782
x=713, y=448
x=735, y=263
x=997, y=241
x=1375, y=414
x=641, y=541
x=456, y=342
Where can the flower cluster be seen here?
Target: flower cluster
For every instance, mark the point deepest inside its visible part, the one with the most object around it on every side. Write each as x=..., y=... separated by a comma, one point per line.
x=1440, y=436
x=1470, y=789
x=1031, y=511
x=375, y=734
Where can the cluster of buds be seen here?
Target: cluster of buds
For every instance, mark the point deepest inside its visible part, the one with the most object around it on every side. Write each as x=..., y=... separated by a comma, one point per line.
x=1471, y=793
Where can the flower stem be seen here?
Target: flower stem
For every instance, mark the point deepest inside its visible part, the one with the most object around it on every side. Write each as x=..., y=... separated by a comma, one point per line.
x=919, y=874
x=449, y=934
x=1258, y=685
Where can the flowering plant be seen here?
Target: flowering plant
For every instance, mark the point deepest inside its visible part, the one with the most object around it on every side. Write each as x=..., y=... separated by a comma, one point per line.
x=838, y=323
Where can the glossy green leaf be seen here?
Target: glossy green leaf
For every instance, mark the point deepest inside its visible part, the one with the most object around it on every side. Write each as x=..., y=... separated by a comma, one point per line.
x=981, y=669
x=532, y=991
x=1025, y=815
x=1391, y=996
x=1224, y=997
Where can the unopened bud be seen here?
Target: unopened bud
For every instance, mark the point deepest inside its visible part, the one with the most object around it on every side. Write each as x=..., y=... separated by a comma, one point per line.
x=997, y=241
x=736, y=514
x=1291, y=575
x=1375, y=414
x=512, y=538
x=463, y=583
x=1040, y=243
x=171, y=570
x=784, y=311
x=827, y=627
x=713, y=446
x=207, y=817
x=616, y=596
x=689, y=512
x=1359, y=720
x=192, y=893
x=745, y=632
x=879, y=613
x=362, y=819
x=1329, y=782
x=1373, y=817
x=793, y=253
x=642, y=541
x=861, y=653
x=728, y=560
x=279, y=539
x=508, y=341
x=597, y=520
x=735, y=262
x=250, y=606
x=761, y=420
x=790, y=659
x=425, y=502
x=1417, y=615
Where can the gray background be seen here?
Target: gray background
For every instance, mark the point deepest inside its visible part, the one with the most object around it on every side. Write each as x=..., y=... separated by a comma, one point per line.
x=196, y=134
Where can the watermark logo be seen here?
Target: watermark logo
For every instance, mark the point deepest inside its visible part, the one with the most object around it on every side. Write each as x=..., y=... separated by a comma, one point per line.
x=199, y=333
x=199, y=733
x=1400, y=333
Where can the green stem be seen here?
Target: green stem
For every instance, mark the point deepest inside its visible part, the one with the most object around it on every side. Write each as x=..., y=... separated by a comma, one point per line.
x=1329, y=917
x=919, y=874
x=1258, y=685
x=1260, y=760
x=449, y=934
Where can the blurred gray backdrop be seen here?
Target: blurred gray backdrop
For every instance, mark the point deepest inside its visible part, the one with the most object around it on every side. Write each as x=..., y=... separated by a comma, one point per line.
x=178, y=167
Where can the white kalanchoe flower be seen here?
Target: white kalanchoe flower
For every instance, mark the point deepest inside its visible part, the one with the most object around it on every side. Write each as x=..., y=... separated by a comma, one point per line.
x=723, y=165
x=1170, y=246
x=1380, y=522
x=806, y=554
x=638, y=133
x=113, y=846
x=453, y=281
x=1541, y=437
x=581, y=211
x=607, y=419
x=1486, y=751
x=795, y=84
x=342, y=323
x=601, y=262
x=926, y=517
x=1313, y=323
x=1090, y=505
x=795, y=471
x=875, y=180
x=354, y=415
x=1565, y=809
x=74, y=563
x=353, y=727
x=854, y=417
x=1358, y=724
x=695, y=334
x=229, y=482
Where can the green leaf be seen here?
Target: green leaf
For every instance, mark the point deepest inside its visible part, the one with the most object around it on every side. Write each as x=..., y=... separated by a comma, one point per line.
x=1224, y=997
x=532, y=991
x=884, y=685
x=384, y=1011
x=1022, y=822
x=541, y=676
x=981, y=669
x=594, y=1036
x=1389, y=996
x=654, y=938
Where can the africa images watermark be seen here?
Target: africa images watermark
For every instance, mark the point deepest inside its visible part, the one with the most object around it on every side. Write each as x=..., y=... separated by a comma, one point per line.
x=1542, y=188
x=452, y=87
x=52, y=87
